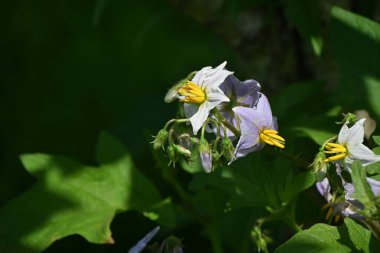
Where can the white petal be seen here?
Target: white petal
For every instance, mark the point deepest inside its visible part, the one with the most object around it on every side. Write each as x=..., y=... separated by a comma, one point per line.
x=201, y=75
x=216, y=79
x=343, y=134
x=215, y=96
x=199, y=118
x=356, y=133
x=222, y=65
x=363, y=154
x=190, y=109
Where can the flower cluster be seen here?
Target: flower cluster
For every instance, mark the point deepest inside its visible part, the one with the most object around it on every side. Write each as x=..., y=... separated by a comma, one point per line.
x=333, y=166
x=229, y=119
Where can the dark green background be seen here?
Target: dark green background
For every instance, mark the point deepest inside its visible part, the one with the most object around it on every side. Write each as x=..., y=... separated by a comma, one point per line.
x=69, y=69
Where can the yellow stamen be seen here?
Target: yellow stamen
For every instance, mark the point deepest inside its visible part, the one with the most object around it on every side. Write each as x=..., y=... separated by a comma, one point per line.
x=271, y=137
x=271, y=131
x=336, y=150
x=192, y=93
x=335, y=145
x=337, y=218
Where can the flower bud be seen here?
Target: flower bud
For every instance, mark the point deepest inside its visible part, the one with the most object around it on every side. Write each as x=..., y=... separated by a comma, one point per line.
x=227, y=149
x=172, y=155
x=320, y=166
x=205, y=155
x=172, y=94
x=181, y=150
x=160, y=139
x=171, y=245
x=260, y=238
x=349, y=118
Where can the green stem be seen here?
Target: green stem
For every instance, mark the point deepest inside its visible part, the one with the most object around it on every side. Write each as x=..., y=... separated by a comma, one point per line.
x=214, y=238
x=175, y=121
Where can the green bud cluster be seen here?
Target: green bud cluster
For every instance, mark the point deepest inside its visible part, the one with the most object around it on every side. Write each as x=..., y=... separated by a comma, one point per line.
x=160, y=139
x=227, y=149
x=260, y=238
x=320, y=166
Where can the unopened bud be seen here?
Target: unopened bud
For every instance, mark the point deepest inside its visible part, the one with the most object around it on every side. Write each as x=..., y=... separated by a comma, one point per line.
x=349, y=118
x=205, y=155
x=181, y=150
x=171, y=245
x=172, y=155
x=172, y=94
x=320, y=166
x=160, y=139
x=227, y=149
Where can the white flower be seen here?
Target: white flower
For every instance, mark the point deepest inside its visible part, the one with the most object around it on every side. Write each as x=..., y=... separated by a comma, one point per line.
x=202, y=94
x=350, y=146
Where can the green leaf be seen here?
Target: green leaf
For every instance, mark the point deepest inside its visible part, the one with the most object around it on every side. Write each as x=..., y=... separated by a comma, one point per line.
x=319, y=136
x=376, y=139
x=322, y=238
x=363, y=191
x=305, y=16
x=373, y=168
x=299, y=92
x=72, y=198
x=355, y=43
x=299, y=183
x=162, y=213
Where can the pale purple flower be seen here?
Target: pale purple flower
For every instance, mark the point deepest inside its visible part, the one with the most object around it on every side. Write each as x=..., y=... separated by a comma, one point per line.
x=252, y=122
x=348, y=206
x=206, y=160
x=244, y=94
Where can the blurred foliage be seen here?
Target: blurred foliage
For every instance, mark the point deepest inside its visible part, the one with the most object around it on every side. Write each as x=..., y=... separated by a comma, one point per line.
x=69, y=70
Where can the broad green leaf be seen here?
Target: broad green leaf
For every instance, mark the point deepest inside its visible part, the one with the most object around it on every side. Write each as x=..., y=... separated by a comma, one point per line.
x=372, y=85
x=376, y=150
x=323, y=238
x=299, y=92
x=72, y=198
x=299, y=183
x=305, y=17
x=355, y=43
x=363, y=191
x=319, y=136
x=161, y=212
x=373, y=168
x=376, y=139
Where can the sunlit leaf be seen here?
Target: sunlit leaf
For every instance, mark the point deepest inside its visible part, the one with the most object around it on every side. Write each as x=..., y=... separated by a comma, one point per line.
x=305, y=17
x=355, y=42
x=72, y=198
x=323, y=238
